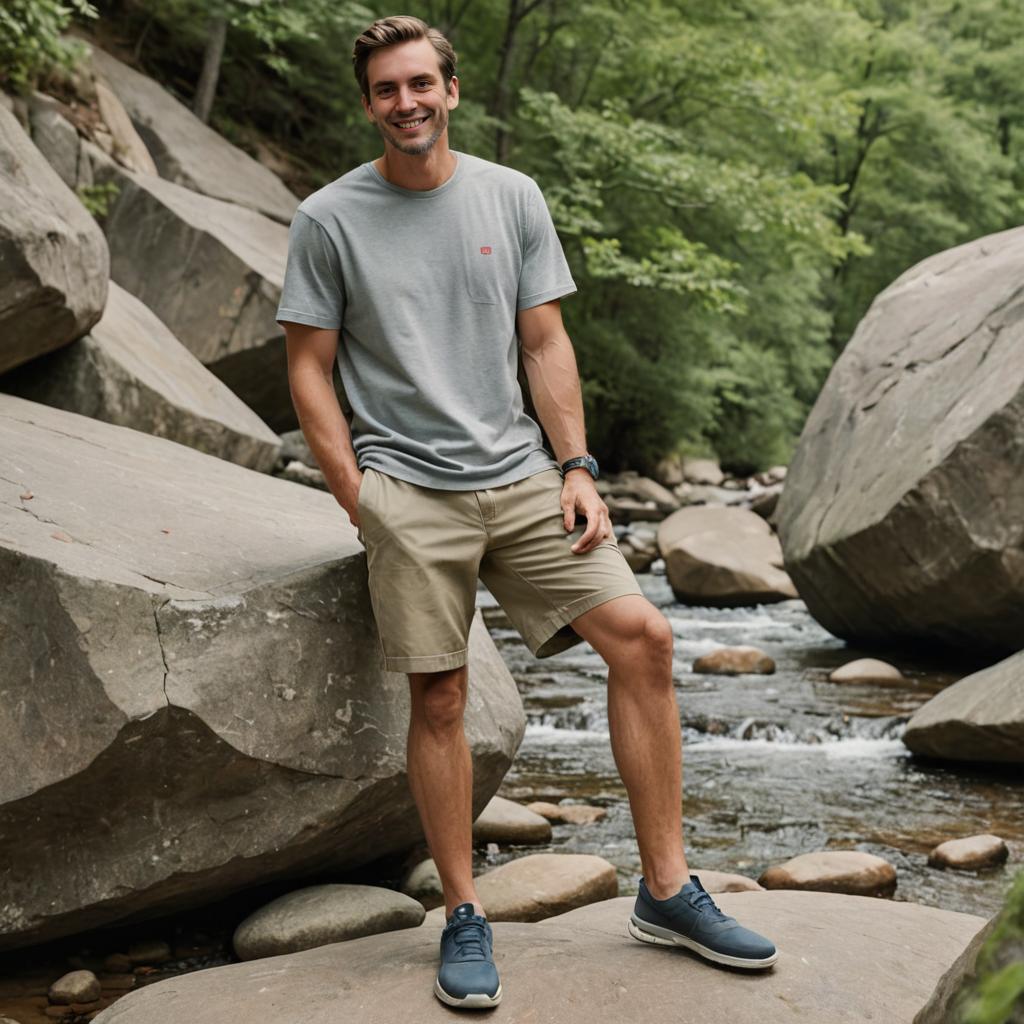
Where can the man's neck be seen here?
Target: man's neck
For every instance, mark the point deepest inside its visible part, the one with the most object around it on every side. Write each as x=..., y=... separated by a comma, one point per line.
x=417, y=173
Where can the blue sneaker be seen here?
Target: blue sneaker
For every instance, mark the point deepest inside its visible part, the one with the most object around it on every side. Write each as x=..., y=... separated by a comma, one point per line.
x=467, y=977
x=691, y=919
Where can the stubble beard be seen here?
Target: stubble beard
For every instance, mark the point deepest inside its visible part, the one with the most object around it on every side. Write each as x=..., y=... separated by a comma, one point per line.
x=416, y=148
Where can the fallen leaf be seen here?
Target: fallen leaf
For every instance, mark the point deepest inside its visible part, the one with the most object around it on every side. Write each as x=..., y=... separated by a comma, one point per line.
x=61, y=535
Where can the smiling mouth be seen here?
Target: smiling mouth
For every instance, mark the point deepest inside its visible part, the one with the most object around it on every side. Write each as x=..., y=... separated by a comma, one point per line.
x=408, y=126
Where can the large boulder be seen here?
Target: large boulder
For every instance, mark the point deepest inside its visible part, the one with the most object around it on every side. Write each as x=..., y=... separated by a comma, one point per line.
x=188, y=152
x=980, y=718
x=192, y=695
x=54, y=263
x=723, y=557
x=130, y=370
x=901, y=514
x=212, y=272
x=843, y=960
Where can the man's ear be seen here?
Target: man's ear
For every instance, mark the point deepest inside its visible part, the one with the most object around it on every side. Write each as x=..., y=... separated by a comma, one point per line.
x=453, y=93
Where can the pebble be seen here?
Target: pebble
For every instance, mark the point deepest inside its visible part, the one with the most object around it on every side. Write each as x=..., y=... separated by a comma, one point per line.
x=504, y=821
x=149, y=951
x=734, y=661
x=847, y=871
x=969, y=853
x=75, y=987
x=867, y=670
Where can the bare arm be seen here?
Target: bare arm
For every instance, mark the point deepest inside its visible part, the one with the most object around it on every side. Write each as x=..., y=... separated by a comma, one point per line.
x=550, y=365
x=311, y=353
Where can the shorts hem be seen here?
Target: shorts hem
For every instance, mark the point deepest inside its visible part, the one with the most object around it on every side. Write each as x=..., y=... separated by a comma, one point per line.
x=547, y=641
x=425, y=662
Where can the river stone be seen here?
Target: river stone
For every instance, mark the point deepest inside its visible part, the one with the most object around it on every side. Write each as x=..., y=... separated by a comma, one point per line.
x=149, y=951
x=193, y=692
x=846, y=871
x=843, y=961
x=725, y=881
x=638, y=559
x=735, y=661
x=54, y=262
x=980, y=718
x=969, y=853
x=189, y=152
x=703, y=471
x=506, y=822
x=212, y=272
x=75, y=987
x=901, y=514
x=723, y=557
x=423, y=883
x=130, y=370
x=645, y=489
x=569, y=814
x=320, y=914
x=867, y=670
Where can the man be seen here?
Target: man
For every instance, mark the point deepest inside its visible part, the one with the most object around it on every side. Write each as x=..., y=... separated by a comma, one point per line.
x=428, y=264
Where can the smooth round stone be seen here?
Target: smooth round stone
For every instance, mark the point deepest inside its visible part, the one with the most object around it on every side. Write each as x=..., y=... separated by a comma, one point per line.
x=867, y=670
x=149, y=951
x=734, y=661
x=969, y=853
x=423, y=883
x=75, y=987
x=569, y=814
x=726, y=881
x=321, y=914
x=506, y=822
x=845, y=871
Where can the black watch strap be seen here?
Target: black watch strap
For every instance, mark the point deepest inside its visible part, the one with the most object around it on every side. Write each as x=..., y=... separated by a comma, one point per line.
x=587, y=462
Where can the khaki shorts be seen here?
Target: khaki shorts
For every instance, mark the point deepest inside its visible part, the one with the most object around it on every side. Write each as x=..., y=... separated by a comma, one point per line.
x=426, y=547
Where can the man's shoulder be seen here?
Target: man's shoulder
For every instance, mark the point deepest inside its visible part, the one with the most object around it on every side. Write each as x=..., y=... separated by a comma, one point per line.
x=319, y=205
x=492, y=175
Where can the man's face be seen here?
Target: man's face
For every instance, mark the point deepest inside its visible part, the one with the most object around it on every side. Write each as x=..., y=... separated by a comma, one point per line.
x=408, y=102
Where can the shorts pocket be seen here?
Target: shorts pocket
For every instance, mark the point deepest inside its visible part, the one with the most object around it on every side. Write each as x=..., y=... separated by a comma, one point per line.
x=369, y=521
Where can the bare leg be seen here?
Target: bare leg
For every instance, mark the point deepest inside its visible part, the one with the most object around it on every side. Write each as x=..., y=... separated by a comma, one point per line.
x=441, y=779
x=635, y=641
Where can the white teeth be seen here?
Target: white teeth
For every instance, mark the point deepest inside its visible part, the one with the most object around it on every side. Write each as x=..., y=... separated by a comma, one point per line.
x=410, y=124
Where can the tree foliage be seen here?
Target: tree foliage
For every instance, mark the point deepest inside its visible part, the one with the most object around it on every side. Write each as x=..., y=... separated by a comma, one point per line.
x=733, y=181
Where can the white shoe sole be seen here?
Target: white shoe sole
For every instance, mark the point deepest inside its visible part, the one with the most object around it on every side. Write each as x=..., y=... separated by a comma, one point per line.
x=646, y=932
x=474, y=1001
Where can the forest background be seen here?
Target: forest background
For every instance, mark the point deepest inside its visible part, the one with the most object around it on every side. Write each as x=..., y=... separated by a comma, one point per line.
x=733, y=181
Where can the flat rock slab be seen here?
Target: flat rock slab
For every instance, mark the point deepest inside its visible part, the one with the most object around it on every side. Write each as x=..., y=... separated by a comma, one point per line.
x=132, y=371
x=193, y=696
x=54, y=262
x=901, y=514
x=190, y=153
x=979, y=718
x=842, y=959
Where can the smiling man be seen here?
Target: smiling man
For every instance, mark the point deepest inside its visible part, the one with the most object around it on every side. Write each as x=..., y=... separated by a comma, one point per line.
x=421, y=273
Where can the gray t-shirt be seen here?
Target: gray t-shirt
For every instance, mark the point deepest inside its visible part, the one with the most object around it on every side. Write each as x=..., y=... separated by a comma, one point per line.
x=425, y=287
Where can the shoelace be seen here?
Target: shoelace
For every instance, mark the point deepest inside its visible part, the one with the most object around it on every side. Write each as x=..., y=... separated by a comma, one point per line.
x=702, y=901
x=470, y=938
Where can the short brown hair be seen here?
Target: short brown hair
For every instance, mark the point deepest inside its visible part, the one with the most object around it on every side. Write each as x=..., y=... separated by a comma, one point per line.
x=401, y=28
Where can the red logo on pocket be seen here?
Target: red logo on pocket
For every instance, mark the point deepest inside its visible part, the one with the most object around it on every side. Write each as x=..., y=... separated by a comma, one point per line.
x=485, y=250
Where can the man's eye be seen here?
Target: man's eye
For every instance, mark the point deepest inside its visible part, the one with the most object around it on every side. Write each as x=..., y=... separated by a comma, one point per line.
x=422, y=85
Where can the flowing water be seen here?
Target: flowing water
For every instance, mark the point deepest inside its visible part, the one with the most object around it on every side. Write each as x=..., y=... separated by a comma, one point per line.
x=773, y=766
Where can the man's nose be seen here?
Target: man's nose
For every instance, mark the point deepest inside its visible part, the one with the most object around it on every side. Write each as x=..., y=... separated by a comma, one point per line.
x=406, y=99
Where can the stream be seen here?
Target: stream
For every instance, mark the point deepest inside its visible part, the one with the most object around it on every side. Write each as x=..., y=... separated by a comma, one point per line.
x=773, y=766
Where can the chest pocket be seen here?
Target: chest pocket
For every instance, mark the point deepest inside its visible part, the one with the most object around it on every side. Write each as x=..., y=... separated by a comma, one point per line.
x=483, y=271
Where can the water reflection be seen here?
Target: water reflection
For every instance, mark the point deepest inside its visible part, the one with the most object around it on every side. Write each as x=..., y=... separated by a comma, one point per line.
x=773, y=765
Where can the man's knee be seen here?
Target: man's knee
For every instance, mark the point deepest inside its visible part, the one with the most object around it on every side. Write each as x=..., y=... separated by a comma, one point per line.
x=438, y=698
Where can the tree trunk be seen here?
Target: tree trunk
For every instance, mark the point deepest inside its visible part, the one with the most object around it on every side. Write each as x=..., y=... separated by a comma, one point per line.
x=217, y=28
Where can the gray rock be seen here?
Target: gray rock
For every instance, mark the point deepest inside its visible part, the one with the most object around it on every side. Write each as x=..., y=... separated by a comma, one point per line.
x=75, y=987
x=568, y=814
x=212, y=272
x=867, y=670
x=638, y=559
x=847, y=871
x=970, y=853
x=979, y=718
x=645, y=489
x=505, y=821
x=149, y=951
x=942, y=1007
x=54, y=136
x=723, y=557
x=901, y=513
x=703, y=471
x=192, y=682
x=320, y=914
x=130, y=370
x=725, y=881
x=127, y=148
x=423, y=884
x=582, y=968
x=187, y=151
x=54, y=263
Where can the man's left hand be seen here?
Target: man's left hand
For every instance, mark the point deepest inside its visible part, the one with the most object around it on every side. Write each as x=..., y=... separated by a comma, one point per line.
x=579, y=495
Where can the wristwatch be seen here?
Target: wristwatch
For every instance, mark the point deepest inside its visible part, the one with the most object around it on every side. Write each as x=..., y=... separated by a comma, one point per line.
x=587, y=462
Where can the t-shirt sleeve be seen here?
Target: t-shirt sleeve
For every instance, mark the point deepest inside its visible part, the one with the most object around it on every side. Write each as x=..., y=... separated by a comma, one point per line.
x=313, y=291
x=545, y=274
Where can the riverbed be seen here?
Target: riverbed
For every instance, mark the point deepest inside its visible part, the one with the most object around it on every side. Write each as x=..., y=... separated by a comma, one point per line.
x=773, y=766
